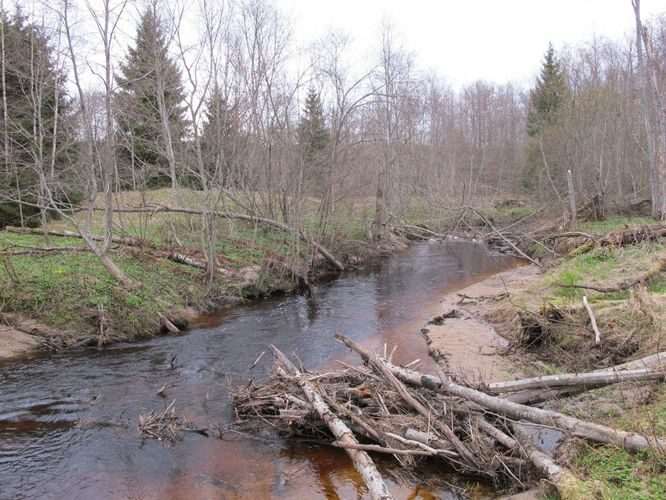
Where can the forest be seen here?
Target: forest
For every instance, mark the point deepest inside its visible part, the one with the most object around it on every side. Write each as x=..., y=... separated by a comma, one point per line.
x=162, y=161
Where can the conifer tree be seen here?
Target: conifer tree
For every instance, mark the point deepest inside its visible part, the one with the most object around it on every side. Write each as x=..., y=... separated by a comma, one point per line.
x=547, y=103
x=549, y=96
x=220, y=138
x=313, y=136
x=148, y=75
x=32, y=125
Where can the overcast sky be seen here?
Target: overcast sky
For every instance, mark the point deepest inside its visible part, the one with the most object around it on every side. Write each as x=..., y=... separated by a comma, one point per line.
x=467, y=40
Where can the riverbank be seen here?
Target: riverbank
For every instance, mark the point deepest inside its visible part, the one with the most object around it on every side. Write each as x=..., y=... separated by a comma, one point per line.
x=533, y=322
x=56, y=294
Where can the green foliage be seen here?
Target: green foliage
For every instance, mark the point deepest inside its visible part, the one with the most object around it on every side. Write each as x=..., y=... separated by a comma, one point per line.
x=547, y=102
x=148, y=76
x=221, y=139
x=313, y=136
x=549, y=96
x=615, y=223
x=35, y=95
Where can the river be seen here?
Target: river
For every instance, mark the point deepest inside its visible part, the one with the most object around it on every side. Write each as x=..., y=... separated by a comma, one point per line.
x=68, y=421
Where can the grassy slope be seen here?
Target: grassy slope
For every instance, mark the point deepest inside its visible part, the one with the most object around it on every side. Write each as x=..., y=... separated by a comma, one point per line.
x=72, y=291
x=631, y=325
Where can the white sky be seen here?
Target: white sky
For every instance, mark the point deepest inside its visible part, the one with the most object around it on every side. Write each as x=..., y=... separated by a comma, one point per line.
x=467, y=40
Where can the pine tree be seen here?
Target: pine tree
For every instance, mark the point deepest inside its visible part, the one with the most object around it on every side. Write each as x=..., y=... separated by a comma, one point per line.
x=549, y=96
x=313, y=136
x=147, y=72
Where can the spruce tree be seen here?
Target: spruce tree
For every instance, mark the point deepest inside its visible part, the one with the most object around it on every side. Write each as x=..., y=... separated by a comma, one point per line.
x=313, y=136
x=147, y=72
x=548, y=101
x=220, y=138
x=549, y=96
x=34, y=92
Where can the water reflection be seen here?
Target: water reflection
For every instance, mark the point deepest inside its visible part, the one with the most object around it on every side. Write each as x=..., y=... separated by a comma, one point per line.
x=68, y=422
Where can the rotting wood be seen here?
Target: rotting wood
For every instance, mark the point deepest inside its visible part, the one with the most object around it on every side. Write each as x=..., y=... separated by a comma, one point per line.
x=577, y=427
x=362, y=461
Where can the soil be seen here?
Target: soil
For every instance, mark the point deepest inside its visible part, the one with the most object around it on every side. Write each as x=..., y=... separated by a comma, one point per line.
x=15, y=343
x=463, y=341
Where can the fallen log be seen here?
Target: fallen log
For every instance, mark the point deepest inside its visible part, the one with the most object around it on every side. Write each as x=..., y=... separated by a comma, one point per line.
x=362, y=461
x=43, y=251
x=382, y=449
x=560, y=477
x=651, y=361
x=592, y=379
x=596, y=432
x=632, y=236
x=244, y=217
x=128, y=241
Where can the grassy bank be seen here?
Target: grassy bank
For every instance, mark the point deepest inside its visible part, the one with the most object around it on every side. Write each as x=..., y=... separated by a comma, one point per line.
x=69, y=291
x=549, y=324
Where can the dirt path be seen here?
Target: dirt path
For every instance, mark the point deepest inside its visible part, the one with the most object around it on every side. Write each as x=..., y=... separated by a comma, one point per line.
x=460, y=338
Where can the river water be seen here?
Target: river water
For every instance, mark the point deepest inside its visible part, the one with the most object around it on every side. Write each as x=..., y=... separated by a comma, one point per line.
x=68, y=422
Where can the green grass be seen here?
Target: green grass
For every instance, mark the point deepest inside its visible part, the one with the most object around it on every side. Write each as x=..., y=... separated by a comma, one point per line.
x=610, y=472
x=603, y=266
x=69, y=291
x=614, y=223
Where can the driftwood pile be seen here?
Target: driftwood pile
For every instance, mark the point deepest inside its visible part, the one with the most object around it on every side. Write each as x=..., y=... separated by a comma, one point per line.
x=380, y=407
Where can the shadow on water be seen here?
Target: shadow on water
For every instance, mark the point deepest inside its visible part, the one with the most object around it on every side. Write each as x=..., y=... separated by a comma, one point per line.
x=68, y=422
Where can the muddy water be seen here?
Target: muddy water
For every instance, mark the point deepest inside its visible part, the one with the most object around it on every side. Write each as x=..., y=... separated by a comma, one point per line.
x=68, y=423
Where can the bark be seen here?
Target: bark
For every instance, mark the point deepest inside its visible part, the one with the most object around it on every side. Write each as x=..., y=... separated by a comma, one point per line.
x=362, y=461
x=580, y=428
x=643, y=71
x=572, y=200
x=592, y=379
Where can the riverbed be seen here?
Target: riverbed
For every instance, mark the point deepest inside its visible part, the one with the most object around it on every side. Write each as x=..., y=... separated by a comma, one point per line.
x=68, y=421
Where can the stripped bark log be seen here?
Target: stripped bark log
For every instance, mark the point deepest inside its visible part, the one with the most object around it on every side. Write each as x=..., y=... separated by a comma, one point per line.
x=651, y=361
x=561, y=478
x=593, y=320
x=592, y=379
x=43, y=251
x=580, y=428
x=362, y=461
